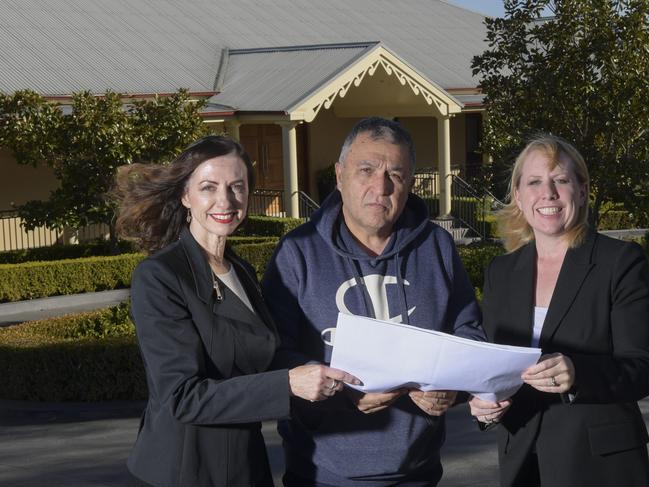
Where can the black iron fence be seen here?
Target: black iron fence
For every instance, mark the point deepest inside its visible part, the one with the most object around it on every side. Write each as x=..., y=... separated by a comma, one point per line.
x=307, y=205
x=269, y=202
x=469, y=206
x=426, y=186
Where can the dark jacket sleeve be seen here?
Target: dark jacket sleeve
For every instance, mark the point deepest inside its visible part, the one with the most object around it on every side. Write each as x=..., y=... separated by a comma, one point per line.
x=176, y=359
x=623, y=375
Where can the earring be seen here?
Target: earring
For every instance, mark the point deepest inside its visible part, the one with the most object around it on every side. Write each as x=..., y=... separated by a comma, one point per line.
x=189, y=215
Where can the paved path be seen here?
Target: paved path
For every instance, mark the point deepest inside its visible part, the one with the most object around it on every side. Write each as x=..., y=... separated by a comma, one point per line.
x=86, y=445
x=36, y=309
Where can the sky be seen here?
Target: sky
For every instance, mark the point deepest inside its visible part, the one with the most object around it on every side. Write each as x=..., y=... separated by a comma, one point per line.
x=494, y=8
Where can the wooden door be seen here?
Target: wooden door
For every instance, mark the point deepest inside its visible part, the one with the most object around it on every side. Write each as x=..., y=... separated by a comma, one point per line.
x=263, y=143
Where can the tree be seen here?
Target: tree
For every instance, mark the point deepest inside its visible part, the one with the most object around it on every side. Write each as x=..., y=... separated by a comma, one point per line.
x=581, y=74
x=86, y=142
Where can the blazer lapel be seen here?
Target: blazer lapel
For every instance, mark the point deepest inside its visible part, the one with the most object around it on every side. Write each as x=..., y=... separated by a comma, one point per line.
x=576, y=266
x=218, y=334
x=522, y=297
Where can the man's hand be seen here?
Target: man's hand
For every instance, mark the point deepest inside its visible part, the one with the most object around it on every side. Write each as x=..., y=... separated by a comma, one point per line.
x=434, y=403
x=489, y=412
x=373, y=402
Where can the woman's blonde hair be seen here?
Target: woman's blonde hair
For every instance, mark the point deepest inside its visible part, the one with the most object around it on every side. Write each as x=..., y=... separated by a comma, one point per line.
x=512, y=225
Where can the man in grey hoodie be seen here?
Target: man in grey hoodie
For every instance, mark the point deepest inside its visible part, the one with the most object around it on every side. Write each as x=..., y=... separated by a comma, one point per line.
x=370, y=250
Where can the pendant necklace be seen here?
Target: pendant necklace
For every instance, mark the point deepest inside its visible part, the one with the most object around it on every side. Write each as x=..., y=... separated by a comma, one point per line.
x=217, y=288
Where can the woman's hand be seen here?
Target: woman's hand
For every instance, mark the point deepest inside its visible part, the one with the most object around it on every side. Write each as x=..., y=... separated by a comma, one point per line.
x=434, y=403
x=553, y=373
x=489, y=412
x=317, y=382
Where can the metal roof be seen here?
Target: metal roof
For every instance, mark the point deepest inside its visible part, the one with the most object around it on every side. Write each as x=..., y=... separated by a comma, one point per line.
x=275, y=79
x=157, y=46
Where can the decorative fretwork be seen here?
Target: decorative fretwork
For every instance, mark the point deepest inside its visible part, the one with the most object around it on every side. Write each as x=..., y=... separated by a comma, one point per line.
x=392, y=69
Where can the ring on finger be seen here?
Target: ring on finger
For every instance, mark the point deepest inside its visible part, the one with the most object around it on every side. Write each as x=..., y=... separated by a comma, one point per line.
x=333, y=385
x=553, y=382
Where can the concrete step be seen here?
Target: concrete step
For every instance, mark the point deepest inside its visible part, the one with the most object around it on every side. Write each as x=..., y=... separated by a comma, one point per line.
x=452, y=226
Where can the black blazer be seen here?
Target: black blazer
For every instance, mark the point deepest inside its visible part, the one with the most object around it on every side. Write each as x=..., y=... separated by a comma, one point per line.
x=599, y=317
x=205, y=365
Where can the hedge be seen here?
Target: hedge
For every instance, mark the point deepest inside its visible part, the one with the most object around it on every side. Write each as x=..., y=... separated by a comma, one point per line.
x=257, y=254
x=94, y=249
x=475, y=258
x=94, y=356
x=60, y=252
x=268, y=226
x=71, y=276
x=41, y=279
x=616, y=220
x=85, y=357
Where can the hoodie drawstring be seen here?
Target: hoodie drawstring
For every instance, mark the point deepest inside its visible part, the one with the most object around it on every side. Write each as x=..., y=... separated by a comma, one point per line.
x=369, y=308
x=401, y=290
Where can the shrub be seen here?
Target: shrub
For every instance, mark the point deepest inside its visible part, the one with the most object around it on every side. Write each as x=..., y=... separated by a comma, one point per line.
x=616, y=220
x=476, y=257
x=41, y=279
x=94, y=356
x=85, y=357
x=59, y=252
x=326, y=181
x=268, y=226
x=257, y=254
x=32, y=280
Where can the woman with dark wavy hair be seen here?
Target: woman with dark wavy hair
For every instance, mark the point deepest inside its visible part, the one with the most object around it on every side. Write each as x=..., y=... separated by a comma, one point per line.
x=205, y=335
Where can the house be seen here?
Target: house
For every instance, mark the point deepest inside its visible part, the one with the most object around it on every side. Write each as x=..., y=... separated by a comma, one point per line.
x=288, y=78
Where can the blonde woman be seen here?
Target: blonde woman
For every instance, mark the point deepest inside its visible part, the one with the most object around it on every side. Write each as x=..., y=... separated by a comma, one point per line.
x=584, y=299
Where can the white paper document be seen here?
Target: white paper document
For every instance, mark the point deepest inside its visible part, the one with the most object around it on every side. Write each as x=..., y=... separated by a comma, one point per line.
x=386, y=356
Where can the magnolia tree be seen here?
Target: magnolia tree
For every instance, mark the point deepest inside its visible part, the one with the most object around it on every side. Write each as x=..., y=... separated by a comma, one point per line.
x=582, y=74
x=84, y=144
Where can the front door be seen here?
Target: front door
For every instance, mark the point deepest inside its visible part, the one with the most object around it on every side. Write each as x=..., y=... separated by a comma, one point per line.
x=263, y=143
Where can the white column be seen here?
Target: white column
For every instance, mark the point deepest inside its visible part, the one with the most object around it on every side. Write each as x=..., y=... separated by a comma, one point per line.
x=232, y=127
x=289, y=149
x=444, y=165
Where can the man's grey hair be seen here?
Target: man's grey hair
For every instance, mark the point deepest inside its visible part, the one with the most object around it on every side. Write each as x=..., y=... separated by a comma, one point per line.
x=380, y=129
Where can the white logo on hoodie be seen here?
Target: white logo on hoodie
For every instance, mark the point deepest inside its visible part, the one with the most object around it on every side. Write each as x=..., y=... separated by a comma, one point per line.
x=376, y=288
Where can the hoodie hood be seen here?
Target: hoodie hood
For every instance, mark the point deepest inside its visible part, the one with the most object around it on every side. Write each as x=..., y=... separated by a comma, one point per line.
x=329, y=224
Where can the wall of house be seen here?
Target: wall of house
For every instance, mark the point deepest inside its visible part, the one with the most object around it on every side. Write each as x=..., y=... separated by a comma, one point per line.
x=20, y=184
x=424, y=135
x=327, y=133
x=458, y=141
x=326, y=136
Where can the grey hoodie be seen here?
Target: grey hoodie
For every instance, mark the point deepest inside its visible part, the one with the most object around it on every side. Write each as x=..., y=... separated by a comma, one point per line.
x=319, y=270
